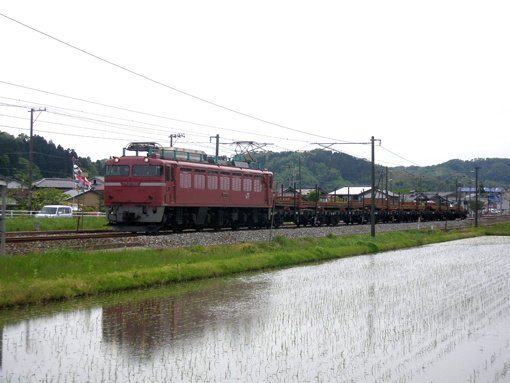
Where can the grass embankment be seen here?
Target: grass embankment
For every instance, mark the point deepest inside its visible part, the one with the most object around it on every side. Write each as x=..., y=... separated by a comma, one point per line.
x=26, y=223
x=64, y=274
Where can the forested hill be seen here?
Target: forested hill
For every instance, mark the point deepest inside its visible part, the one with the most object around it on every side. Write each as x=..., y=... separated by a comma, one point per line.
x=333, y=170
x=329, y=170
x=49, y=160
x=492, y=172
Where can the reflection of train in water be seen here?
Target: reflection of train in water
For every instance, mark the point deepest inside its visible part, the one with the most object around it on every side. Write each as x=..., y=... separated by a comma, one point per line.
x=175, y=189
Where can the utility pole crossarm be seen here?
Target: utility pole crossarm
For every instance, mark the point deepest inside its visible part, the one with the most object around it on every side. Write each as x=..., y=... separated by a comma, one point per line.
x=176, y=136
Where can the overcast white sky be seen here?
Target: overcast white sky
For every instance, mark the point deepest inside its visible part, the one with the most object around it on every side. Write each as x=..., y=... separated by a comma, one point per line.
x=430, y=79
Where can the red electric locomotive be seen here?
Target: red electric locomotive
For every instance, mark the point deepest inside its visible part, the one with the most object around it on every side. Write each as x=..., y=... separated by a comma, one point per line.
x=175, y=189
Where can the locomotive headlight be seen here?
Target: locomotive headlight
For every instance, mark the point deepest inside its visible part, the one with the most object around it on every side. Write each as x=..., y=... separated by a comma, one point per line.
x=146, y=159
x=116, y=159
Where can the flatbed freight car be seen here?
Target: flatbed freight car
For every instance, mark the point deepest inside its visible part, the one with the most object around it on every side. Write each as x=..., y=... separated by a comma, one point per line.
x=331, y=212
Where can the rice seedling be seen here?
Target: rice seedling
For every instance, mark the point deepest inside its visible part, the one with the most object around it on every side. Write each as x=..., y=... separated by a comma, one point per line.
x=398, y=315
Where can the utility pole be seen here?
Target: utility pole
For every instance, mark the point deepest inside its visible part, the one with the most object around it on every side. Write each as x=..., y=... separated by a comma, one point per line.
x=457, y=193
x=372, y=204
x=300, y=175
x=176, y=136
x=217, y=145
x=31, y=156
x=476, y=196
x=291, y=175
x=387, y=191
x=3, y=188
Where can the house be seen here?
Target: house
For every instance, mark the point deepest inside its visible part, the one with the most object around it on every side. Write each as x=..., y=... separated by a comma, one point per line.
x=11, y=182
x=96, y=181
x=290, y=192
x=93, y=198
x=56, y=183
x=15, y=190
x=364, y=194
x=431, y=196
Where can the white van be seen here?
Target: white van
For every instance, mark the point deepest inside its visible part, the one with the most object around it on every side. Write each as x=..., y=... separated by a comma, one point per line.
x=55, y=211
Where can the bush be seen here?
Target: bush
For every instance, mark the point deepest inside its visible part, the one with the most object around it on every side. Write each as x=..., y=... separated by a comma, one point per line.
x=280, y=240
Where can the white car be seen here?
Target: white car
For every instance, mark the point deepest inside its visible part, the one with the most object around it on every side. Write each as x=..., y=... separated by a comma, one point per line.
x=55, y=211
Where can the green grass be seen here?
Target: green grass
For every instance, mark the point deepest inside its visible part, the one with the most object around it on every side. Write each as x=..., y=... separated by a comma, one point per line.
x=65, y=274
x=27, y=223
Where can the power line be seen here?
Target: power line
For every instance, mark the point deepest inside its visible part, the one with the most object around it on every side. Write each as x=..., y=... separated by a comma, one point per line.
x=399, y=156
x=113, y=124
x=64, y=134
x=127, y=110
x=39, y=153
x=160, y=83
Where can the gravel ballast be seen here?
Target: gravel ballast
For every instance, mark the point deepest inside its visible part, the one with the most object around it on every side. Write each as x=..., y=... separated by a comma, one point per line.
x=226, y=237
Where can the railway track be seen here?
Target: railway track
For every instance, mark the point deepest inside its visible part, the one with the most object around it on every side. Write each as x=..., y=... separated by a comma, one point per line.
x=20, y=237
x=62, y=235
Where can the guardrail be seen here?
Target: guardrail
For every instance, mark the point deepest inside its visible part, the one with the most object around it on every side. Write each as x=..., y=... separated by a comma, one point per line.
x=30, y=213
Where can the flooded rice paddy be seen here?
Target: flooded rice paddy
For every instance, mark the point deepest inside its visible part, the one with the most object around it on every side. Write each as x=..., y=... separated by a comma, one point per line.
x=438, y=313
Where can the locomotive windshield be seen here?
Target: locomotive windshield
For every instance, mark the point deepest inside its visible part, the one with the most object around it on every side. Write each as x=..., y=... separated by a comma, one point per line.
x=148, y=171
x=117, y=170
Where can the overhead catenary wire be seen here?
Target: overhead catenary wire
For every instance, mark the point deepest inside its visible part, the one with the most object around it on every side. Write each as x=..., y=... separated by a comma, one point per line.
x=123, y=126
x=160, y=83
x=65, y=134
x=187, y=122
x=134, y=128
x=405, y=159
x=141, y=122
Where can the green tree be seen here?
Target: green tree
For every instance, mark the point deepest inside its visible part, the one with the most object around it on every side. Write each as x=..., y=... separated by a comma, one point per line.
x=473, y=205
x=4, y=162
x=22, y=170
x=41, y=197
x=313, y=196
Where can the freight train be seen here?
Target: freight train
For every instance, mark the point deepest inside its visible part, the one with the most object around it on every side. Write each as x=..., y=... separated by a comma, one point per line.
x=179, y=189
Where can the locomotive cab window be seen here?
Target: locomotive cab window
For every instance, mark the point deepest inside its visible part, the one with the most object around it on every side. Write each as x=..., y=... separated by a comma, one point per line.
x=117, y=170
x=148, y=170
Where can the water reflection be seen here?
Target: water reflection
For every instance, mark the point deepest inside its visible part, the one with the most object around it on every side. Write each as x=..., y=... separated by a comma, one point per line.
x=184, y=313
x=436, y=313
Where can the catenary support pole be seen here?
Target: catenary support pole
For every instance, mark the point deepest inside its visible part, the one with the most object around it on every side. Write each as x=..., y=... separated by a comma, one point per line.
x=3, y=188
x=372, y=205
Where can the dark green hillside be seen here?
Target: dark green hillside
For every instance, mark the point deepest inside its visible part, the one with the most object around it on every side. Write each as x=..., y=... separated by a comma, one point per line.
x=492, y=172
x=332, y=170
x=50, y=160
x=329, y=170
